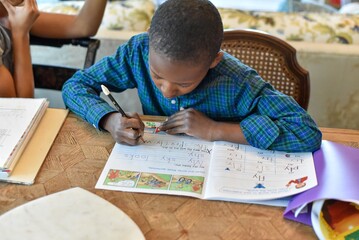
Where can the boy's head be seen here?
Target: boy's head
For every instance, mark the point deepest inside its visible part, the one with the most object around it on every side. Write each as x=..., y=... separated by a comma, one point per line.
x=185, y=40
x=186, y=30
x=3, y=11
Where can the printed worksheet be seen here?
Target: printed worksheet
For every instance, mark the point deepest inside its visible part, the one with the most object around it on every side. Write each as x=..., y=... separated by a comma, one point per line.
x=163, y=164
x=244, y=172
x=182, y=165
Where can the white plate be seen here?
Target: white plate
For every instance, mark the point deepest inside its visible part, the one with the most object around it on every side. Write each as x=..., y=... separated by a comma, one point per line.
x=71, y=214
x=316, y=209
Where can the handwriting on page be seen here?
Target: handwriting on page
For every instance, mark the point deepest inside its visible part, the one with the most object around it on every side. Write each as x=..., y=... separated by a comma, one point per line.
x=166, y=153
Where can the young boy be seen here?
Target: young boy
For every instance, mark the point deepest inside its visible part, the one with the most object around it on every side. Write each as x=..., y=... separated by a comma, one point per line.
x=17, y=19
x=180, y=72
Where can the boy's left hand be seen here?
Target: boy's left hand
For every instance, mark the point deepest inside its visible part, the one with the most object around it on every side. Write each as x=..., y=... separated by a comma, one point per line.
x=190, y=122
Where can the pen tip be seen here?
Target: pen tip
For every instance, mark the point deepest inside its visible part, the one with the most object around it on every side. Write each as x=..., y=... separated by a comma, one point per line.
x=105, y=90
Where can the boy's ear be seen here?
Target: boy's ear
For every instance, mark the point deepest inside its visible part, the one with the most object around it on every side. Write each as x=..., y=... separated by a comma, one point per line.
x=217, y=59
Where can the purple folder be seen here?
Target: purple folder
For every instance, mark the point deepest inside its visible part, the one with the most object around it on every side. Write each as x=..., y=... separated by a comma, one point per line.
x=337, y=169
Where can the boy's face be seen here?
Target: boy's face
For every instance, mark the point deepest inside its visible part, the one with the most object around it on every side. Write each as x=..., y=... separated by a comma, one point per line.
x=174, y=79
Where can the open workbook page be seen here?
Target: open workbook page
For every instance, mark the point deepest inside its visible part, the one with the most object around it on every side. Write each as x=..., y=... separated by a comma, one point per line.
x=242, y=172
x=164, y=164
x=182, y=165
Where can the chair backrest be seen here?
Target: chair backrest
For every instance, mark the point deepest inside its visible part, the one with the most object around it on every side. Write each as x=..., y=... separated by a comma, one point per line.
x=273, y=58
x=53, y=77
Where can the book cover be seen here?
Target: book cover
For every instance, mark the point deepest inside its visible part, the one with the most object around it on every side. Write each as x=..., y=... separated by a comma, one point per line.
x=337, y=168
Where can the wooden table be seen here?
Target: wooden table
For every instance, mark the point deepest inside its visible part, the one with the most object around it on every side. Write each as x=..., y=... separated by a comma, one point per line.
x=78, y=156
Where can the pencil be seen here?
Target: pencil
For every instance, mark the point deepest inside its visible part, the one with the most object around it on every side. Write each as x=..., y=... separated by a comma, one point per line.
x=114, y=102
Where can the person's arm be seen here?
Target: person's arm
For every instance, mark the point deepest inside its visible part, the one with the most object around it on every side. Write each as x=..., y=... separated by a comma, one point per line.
x=195, y=123
x=84, y=24
x=81, y=95
x=291, y=130
x=20, y=20
x=272, y=121
x=7, y=87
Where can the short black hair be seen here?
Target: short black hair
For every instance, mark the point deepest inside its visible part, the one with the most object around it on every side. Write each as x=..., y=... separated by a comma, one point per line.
x=186, y=31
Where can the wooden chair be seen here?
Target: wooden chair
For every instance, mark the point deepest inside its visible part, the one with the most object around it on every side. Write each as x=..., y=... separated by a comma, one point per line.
x=53, y=77
x=274, y=59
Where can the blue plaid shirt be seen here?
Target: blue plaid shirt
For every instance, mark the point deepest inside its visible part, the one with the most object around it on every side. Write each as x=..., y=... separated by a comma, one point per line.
x=231, y=91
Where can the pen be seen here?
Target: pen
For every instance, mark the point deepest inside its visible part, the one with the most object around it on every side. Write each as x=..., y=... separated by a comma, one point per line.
x=109, y=95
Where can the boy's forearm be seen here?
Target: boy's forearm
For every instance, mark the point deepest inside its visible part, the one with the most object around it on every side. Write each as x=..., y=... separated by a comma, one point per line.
x=297, y=133
x=295, y=139
x=230, y=132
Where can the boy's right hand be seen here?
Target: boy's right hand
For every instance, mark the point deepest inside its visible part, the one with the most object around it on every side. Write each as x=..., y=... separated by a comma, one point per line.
x=124, y=130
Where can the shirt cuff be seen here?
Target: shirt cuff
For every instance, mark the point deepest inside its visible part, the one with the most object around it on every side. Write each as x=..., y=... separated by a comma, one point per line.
x=95, y=114
x=259, y=131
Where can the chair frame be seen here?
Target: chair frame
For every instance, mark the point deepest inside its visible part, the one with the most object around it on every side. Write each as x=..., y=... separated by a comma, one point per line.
x=53, y=77
x=235, y=39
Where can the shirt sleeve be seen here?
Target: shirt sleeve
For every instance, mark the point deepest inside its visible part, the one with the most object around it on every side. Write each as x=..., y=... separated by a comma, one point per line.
x=81, y=92
x=276, y=121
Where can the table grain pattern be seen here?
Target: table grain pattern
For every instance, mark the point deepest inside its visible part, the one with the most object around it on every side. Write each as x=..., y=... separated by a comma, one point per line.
x=79, y=154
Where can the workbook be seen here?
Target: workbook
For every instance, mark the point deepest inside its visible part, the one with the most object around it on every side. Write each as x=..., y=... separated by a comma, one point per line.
x=183, y=165
x=19, y=118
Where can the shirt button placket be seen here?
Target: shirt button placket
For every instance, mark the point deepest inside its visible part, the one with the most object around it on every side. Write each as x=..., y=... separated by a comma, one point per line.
x=174, y=103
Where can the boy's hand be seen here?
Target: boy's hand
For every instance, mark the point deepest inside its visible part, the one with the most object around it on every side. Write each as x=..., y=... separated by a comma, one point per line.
x=124, y=130
x=190, y=122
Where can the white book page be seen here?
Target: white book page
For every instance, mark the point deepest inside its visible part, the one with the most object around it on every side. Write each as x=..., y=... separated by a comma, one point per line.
x=16, y=118
x=163, y=164
x=241, y=172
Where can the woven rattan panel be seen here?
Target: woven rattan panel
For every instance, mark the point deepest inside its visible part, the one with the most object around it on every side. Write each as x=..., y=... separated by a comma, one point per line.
x=268, y=62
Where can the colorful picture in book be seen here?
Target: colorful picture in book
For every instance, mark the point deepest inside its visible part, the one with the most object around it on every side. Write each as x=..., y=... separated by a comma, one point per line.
x=187, y=183
x=339, y=220
x=152, y=127
x=154, y=181
x=121, y=178
x=298, y=183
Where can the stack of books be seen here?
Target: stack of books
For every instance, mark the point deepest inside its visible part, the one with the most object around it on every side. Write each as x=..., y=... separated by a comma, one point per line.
x=19, y=117
x=27, y=130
